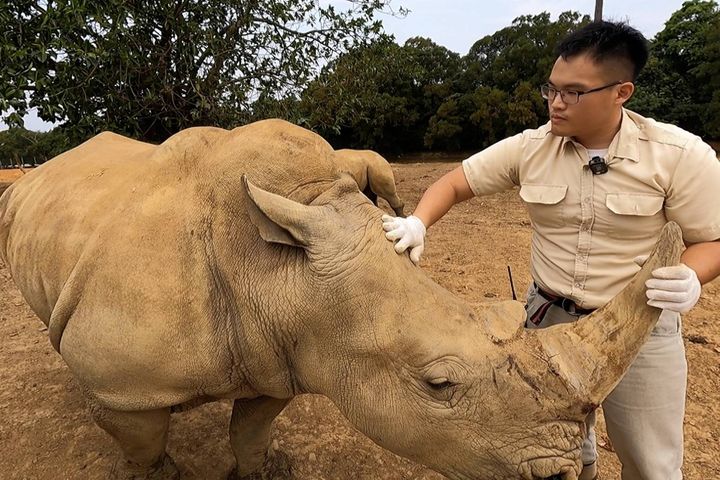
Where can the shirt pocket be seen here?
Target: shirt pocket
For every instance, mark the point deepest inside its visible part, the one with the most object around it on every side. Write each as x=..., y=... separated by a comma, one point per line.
x=545, y=203
x=634, y=215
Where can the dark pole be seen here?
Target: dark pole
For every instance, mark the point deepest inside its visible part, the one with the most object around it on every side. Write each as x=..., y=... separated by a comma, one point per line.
x=512, y=285
x=598, y=10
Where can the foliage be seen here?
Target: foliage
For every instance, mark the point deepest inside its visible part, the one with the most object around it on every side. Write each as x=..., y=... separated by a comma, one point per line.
x=681, y=83
x=421, y=95
x=379, y=96
x=521, y=52
x=19, y=146
x=496, y=93
x=149, y=69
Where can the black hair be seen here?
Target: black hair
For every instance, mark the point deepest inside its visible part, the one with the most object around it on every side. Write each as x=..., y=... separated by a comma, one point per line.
x=607, y=41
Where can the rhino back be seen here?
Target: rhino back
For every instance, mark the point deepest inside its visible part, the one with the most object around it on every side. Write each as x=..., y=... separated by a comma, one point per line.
x=133, y=251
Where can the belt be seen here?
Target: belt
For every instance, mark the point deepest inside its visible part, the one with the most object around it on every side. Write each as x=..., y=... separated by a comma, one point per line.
x=565, y=303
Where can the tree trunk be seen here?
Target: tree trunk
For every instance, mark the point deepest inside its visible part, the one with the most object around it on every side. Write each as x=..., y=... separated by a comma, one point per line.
x=598, y=10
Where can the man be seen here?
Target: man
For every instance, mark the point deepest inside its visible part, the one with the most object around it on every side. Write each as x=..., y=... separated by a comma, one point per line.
x=599, y=182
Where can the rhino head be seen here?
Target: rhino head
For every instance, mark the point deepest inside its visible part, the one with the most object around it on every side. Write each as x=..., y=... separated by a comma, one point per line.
x=468, y=392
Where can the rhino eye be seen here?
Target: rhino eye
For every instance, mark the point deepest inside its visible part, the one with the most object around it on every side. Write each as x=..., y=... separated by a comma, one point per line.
x=440, y=383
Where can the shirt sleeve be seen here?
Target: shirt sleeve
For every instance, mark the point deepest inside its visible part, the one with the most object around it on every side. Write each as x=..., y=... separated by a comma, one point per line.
x=692, y=200
x=494, y=169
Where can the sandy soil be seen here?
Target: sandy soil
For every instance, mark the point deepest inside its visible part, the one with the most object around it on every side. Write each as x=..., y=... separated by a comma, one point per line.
x=10, y=174
x=7, y=176
x=46, y=431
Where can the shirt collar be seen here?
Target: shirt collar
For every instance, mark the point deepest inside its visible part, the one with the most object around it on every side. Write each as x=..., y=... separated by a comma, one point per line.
x=625, y=142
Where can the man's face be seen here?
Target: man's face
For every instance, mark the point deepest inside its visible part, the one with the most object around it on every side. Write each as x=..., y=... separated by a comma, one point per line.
x=596, y=111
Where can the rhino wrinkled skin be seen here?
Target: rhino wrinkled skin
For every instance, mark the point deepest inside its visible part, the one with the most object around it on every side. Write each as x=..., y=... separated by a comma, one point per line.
x=241, y=264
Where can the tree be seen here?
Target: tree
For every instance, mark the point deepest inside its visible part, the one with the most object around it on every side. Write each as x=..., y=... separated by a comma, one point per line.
x=379, y=96
x=19, y=146
x=496, y=93
x=446, y=126
x=680, y=84
x=522, y=52
x=525, y=108
x=148, y=69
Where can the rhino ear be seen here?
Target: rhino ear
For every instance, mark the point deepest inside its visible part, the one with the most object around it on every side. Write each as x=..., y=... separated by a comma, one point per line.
x=278, y=219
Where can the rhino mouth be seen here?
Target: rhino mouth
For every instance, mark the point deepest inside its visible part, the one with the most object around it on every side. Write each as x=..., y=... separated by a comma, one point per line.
x=537, y=469
x=549, y=451
x=558, y=465
x=549, y=468
x=556, y=453
x=561, y=468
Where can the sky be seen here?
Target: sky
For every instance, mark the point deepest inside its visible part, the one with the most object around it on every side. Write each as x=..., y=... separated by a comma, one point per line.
x=457, y=24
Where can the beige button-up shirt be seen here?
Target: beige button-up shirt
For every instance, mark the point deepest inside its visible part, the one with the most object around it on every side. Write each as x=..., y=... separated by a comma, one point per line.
x=588, y=228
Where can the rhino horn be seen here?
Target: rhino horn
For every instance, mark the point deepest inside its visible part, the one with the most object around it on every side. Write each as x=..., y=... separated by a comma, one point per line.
x=594, y=352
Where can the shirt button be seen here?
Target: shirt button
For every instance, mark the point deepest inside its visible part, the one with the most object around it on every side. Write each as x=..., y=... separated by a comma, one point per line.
x=578, y=285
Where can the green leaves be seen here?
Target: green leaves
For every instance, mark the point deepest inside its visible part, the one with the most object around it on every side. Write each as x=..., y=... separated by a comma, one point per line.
x=496, y=94
x=20, y=146
x=380, y=96
x=681, y=80
x=149, y=69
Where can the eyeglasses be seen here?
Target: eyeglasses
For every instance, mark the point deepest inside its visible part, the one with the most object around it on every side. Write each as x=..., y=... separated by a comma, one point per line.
x=569, y=97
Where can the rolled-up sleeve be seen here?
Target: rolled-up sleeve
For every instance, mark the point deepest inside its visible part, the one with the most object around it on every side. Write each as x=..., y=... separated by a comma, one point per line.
x=693, y=200
x=494, y=169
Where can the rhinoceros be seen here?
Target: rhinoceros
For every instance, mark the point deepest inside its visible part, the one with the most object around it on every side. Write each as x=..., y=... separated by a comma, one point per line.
x=242, y=265
x=373, y=175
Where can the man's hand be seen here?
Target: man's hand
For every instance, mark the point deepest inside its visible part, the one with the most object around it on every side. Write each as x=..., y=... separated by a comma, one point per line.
x=409, y=233
x=675, y=288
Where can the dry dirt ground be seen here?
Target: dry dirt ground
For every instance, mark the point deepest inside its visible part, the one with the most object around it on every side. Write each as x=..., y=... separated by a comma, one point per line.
x=46, y=431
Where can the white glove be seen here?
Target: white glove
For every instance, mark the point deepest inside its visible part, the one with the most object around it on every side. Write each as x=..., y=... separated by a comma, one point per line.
x=675, y=288
x=409, y=233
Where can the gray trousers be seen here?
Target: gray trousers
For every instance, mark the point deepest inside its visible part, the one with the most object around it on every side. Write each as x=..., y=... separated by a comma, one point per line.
x=644, y=413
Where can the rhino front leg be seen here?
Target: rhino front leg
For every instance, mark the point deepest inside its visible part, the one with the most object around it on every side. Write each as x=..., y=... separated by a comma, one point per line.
x=250, y=440
x=142, y=437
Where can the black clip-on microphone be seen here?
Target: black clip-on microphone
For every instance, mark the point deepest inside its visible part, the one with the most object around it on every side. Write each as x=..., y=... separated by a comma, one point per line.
x=597, y=165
